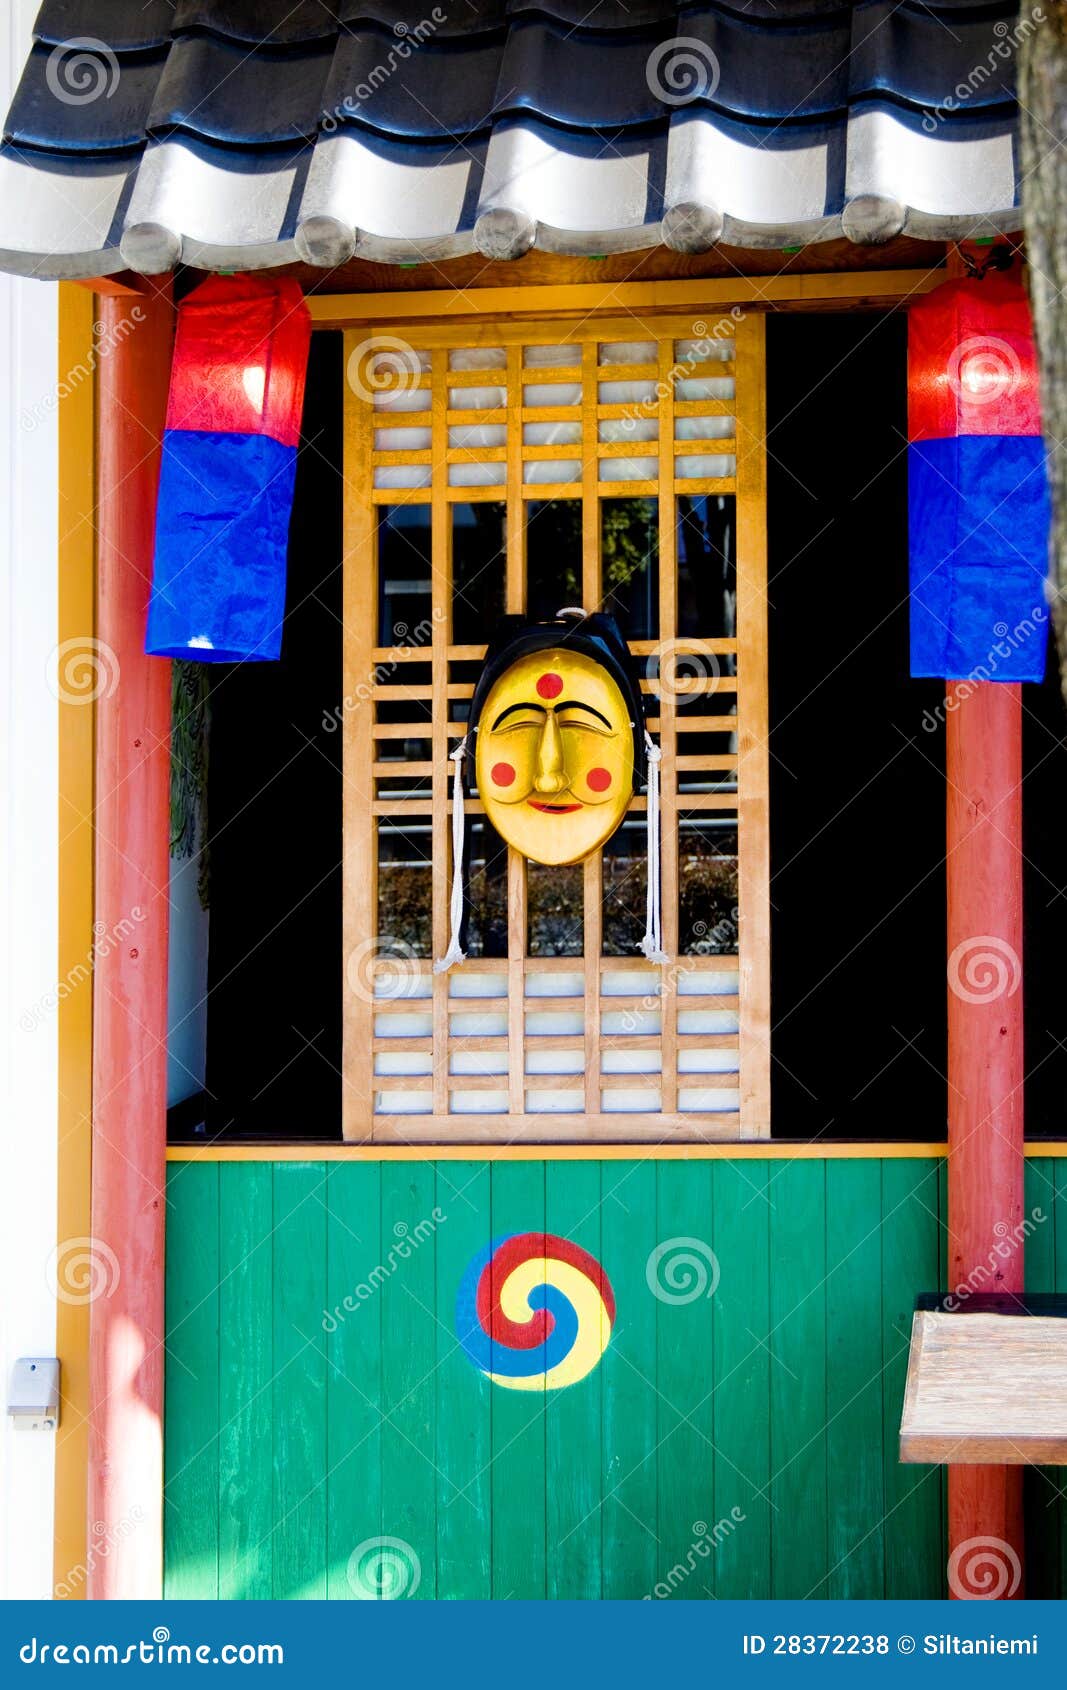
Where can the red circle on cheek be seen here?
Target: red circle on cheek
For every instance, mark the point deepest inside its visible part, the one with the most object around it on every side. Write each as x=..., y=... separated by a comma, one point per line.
x=502, y=773
x=599, y=780
x=549, y=686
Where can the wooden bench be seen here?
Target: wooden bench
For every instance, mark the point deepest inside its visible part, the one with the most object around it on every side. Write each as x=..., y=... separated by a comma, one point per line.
x=987, y=1381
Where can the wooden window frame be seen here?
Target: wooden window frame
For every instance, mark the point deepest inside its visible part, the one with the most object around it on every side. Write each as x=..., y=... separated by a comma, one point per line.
x=792, y=291
x=363, y=655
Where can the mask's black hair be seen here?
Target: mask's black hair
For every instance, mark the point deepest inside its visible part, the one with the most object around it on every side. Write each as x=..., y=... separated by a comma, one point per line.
x=596, y=636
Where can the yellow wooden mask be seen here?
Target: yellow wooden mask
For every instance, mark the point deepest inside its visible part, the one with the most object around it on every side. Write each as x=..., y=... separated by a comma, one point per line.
x=555, y=756
x=556, y=732
x=555, y=745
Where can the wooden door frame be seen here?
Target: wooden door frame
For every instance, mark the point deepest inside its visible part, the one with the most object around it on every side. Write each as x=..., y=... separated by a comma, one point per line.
x=137, y=988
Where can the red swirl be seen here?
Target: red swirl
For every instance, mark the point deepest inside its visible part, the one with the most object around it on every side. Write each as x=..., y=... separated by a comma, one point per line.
x=527, y=1335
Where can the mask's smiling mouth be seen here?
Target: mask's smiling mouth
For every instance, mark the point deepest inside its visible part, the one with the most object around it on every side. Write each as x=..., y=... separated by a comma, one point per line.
x=553, y=809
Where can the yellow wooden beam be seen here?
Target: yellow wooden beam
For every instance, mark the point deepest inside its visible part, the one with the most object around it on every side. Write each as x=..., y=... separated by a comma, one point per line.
x=76, y=621
x=774, y=1150
x=858, y=290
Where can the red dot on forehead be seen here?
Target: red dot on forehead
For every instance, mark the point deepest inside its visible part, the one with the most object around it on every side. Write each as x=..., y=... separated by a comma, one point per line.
x=549, y=686
x=503, y=774
x=599, y=779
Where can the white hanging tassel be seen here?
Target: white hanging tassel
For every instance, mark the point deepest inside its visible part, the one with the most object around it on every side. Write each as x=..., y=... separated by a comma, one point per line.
x=455, y=908
x=652, y=943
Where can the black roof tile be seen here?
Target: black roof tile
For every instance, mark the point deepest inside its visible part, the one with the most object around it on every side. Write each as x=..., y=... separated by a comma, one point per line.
x=250, y=73
x=84, y=100
x=118, y=23
x=259, y=130
x=917, y=57
x=445, y=91
x=222, y=92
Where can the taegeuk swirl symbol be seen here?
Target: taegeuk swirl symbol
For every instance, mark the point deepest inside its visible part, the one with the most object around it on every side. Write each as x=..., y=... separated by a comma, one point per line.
x=534, y=1311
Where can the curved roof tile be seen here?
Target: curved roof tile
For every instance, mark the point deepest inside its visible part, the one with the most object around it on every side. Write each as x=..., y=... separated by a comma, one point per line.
x=251, y=132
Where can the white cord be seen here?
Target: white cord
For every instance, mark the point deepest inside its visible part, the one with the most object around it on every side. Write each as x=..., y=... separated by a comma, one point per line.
x=652, y=943
x=455, y=910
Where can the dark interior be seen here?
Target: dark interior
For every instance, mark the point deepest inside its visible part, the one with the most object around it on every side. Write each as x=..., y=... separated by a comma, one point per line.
x=274, y=809
x=858, y=1039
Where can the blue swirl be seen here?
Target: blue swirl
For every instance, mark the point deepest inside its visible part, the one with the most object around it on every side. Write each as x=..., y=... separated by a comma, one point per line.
x=492, y=1357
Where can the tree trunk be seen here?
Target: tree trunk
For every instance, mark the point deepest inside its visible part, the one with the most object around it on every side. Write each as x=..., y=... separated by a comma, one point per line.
x=1043, y=132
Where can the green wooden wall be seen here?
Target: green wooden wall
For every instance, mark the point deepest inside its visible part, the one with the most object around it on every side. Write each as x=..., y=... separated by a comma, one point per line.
x=738, y=1445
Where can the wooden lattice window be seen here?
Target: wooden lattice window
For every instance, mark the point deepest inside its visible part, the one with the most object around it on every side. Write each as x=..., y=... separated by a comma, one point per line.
x=524, y=465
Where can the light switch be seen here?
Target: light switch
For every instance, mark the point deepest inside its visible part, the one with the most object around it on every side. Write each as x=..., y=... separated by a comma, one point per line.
x=33, y=1394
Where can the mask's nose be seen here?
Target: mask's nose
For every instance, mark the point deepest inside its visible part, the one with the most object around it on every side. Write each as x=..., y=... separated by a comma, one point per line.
x=551, y=775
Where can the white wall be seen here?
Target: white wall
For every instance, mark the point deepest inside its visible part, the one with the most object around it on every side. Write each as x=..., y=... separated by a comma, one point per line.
x=28, y=878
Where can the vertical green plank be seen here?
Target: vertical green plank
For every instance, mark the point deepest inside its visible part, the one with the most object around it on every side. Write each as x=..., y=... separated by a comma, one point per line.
x=627, y=1240
x=914, y=1542
x=518, y=1474
x=409, y=1363
x=464, y=1394
x=743, y=1197
x=352, y=1341
x=246, y=1249
x=1039, y=1215
x=1041, y=1485
x=855, y=1495
x=191, y=1490
x=573, y=1452
x=684, y=1272
x=798, y=1379
x=299, y=1392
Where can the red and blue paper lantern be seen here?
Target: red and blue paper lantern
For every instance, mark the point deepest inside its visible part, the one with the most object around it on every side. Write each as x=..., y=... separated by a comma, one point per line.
x=228, y=471
x=977, y=484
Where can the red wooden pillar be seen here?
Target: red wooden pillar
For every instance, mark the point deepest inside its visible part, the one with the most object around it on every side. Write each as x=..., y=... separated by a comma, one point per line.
x=131, y=813
x=985, y=1071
